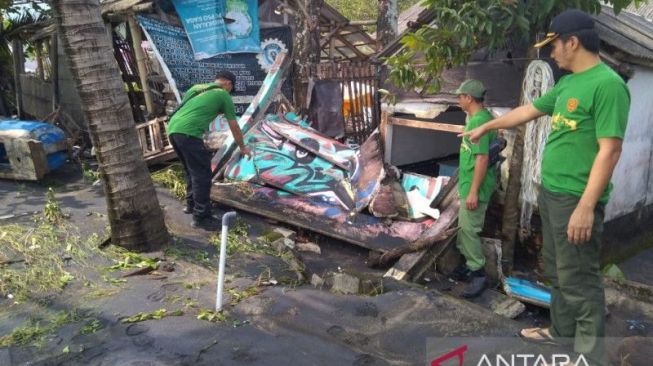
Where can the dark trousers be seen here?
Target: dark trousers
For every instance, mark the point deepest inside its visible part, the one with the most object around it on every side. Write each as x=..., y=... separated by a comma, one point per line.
x=578, y=300
x=196, y=160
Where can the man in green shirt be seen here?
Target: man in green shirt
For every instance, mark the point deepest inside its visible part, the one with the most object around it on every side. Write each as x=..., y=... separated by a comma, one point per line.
x=589, y=110
x=476, y=183
x=200, y=106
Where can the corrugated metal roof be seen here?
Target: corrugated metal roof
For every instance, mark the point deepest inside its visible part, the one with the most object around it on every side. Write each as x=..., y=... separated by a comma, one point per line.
x=409, y=15
x=644, y=10
x=627, y=32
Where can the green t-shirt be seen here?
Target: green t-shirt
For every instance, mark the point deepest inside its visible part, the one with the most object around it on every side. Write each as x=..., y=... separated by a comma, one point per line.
x=468, y=152
x=198, y=112
x=585, y=107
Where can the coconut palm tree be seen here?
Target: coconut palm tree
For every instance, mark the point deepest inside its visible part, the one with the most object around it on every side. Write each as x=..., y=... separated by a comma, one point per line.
x=135, y=216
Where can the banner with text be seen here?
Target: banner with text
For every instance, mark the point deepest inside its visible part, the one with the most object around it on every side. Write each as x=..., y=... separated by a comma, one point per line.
x=217, y=27
x=174, y=52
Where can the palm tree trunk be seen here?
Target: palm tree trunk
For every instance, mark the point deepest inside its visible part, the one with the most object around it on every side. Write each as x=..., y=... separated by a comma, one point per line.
x=135, y=216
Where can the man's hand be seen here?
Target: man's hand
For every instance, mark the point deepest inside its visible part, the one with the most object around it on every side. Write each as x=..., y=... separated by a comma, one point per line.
x=245, y=151
x=475, y=134
x=579, y=229
x=472, y=201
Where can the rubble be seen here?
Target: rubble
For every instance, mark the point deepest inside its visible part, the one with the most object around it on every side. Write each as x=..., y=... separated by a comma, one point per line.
x=286, y=233
x=508, y=307
x=283, y=244
x=309, y=247
x=346, y=284
x=317, y=281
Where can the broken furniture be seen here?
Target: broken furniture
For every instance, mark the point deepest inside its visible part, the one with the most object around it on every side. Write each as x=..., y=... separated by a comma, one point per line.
x=29, y=149
x=153, y=137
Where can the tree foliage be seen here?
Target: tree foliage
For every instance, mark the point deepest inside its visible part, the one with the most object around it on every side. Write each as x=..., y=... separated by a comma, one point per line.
x=462, y=26
x=363, y=9
x=13, y=16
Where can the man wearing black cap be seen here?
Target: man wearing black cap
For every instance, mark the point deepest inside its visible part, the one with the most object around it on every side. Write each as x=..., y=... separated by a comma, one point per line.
x=589, y=110
x=200, y=106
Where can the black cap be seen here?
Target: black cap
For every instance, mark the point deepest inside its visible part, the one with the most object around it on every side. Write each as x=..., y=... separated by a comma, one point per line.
x=226, y=75
x=569, y=21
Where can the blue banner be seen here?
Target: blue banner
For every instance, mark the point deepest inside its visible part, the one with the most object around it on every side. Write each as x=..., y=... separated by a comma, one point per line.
x=217, y=27
x=175, y=54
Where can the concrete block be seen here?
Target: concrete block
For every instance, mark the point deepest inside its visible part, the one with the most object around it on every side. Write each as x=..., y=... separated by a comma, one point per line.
x=345, y=284
x=506, y=306
x=283, y=244
x=286, y=233
x=309, y=247
x=317, y=281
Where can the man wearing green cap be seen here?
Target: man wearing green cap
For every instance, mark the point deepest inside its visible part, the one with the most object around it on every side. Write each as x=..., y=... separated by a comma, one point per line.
x=589, y=110
x=200, y=106
x=475, y=185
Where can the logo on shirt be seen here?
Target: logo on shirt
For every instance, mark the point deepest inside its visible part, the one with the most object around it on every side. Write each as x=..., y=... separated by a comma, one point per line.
x=572, y=104
x=559, y=122
x=464, y=146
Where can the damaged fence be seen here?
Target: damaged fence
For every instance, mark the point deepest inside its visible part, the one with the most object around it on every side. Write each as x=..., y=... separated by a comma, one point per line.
x=359, y=83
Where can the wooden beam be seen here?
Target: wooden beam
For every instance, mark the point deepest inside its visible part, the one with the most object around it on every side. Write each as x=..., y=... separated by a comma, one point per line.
x=27, y=159
x=328, y=38
x=435, y=126
x=411, y=266
x=332, y=43
x=17, y=52
x=352, y=47
x=125, y=6
x=38, y=48
x=137, y=40
x=362, y=22
x=54, y=65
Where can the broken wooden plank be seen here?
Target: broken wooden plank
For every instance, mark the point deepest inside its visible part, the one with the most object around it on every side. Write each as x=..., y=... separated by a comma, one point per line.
x=155, y=148
x=27, y=159
x=435, y=126
x=363, y=230
x=413, y=265
x=258, y=107
x=492, y=252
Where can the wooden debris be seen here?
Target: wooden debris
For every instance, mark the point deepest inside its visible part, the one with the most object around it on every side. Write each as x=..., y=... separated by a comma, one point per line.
x=139, y=272
x=27, y=159
x=381, y=259
x=156, y=146
x=411, y=266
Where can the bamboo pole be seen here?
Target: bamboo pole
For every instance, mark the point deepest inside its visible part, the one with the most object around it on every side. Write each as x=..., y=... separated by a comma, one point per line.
x=39, y=60
x=54, y=65
x=140, y=61
x=17, y=50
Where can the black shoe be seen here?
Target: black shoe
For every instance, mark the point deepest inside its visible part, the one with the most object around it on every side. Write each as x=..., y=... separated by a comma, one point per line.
x=188, y=210
x=461, y=273
x=476, y=285
x=207, y=223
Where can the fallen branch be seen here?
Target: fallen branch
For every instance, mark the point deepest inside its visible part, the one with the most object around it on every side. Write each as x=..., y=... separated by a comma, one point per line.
x=376, y=259
x=11, y=261
x=139, y=272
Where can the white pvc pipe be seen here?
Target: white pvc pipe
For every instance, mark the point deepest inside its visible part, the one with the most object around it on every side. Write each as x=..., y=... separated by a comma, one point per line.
x=226, y=219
